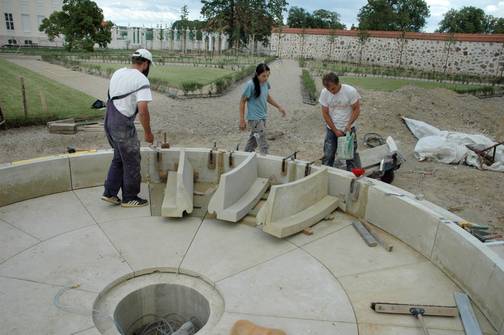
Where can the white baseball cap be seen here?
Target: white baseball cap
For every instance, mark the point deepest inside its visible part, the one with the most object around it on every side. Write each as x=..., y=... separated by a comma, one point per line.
x=143, y=53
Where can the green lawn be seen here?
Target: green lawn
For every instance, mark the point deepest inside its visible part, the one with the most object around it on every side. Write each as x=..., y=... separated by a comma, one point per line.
x=62, y=101
x=175, y=75
x=388, y=84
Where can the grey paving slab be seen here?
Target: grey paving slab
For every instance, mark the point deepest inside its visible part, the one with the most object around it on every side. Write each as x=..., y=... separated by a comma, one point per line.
x=421, y=283
x=48, y=216
x=290, y=326
x=83, y=257
x=152, y=242
x=27, y=308
x=345, y=252
x=221, y=249
x=103, y=211
x=323, y=228
x=13, y=241
x=294, y=285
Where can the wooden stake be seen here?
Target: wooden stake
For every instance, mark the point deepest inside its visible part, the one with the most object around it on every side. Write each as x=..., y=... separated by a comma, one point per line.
x=2, y=117
x=23, y=92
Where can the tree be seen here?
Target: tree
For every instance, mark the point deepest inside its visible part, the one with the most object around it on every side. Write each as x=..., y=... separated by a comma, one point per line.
x=243, y=19
x=469, y=19
x=393, y=15
x=320, y=18
x=298, y=18
x=498, y=26
x=81, y=23
x=494, y=25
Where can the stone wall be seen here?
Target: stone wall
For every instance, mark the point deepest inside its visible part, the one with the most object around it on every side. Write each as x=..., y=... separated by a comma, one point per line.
x=458, y=53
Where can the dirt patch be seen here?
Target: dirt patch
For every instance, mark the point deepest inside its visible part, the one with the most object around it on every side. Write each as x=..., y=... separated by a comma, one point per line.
x=472, y=194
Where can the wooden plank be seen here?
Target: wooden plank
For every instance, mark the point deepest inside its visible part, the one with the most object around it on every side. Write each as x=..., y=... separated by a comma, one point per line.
x=469, y=321
x=364, y=233
x=430, y=310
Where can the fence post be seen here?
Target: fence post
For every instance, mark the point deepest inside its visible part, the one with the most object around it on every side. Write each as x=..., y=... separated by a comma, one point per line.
x=23, y=92
x=2, y=118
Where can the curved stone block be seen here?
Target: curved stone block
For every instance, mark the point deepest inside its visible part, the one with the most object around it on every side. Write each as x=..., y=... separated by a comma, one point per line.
x=178, y=196
x=292, y=207
x=239, y=191
x=33, y=178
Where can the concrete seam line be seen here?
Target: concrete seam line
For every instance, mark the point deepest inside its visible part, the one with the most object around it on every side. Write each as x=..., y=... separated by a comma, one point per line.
x=104, y=233
x=70, y=174
x=19, y=229
x=339, y=283
x=291, y=317
x=44, y=283
x=435, y=240
x=190, y=243
x=258, y=264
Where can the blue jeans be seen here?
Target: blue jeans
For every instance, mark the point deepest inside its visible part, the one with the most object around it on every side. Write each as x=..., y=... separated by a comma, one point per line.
x=257, y=136
x=331, y=146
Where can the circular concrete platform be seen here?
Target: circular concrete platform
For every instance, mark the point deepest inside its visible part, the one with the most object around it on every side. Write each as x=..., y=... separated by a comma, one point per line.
x=306, y=284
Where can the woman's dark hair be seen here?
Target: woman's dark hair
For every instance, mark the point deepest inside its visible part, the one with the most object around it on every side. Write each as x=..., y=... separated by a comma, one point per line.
x=259, y=69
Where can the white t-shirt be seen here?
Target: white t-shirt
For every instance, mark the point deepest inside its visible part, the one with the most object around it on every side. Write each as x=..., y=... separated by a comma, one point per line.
x=127, y=80
x=340, y=104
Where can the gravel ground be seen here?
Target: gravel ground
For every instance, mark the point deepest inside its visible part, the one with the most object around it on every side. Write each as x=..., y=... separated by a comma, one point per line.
x=472, y=194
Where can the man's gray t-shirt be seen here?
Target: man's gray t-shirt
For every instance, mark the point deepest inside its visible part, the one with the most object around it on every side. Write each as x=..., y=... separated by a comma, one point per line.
x=257, y=108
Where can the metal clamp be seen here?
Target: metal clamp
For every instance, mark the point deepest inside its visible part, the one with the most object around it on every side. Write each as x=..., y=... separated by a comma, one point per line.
x=211, y=158
x=231, y=159
x=307, y=170
x=284, y=161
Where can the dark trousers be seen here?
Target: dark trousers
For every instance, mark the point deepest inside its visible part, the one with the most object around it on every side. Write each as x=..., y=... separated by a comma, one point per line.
x=331, y=146
x=124, y=171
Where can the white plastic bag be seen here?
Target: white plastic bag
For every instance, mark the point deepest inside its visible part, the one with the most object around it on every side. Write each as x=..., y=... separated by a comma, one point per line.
x=346, y=146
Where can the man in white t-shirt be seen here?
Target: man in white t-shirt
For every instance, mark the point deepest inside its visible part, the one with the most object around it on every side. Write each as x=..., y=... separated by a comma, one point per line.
x=129, y=94
x=340, y=109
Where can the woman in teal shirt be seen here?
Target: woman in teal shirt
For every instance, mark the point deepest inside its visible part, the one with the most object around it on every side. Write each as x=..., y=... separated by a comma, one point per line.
x=256, y=97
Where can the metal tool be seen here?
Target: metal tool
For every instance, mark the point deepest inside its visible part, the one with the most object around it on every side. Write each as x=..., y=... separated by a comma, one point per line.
x=368, y=238
x=418, y=311
x=483, y=154
x=469, y=321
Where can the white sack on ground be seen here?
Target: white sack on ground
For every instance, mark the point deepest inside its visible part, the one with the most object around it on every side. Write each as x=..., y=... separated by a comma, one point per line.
x=450, y=147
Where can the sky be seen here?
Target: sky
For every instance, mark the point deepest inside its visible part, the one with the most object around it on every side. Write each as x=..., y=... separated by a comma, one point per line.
x=154, y=12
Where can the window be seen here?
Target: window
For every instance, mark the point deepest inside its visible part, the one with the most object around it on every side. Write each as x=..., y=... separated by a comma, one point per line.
x=25, y=22
x=12, y=42
x=28, y=42
x=9, y=21
x=40, y=18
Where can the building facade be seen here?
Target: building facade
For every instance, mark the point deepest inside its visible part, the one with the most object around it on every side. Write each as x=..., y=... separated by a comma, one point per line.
x=167, y=39
x=20, y=21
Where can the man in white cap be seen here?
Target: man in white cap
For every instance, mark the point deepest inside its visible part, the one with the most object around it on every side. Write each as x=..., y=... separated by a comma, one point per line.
x=129, y=95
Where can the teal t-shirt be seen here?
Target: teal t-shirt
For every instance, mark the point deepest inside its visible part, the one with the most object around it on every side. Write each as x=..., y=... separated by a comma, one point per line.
x=257, y=108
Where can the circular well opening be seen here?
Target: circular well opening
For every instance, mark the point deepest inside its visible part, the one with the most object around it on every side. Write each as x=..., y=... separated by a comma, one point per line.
x=162, y=309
